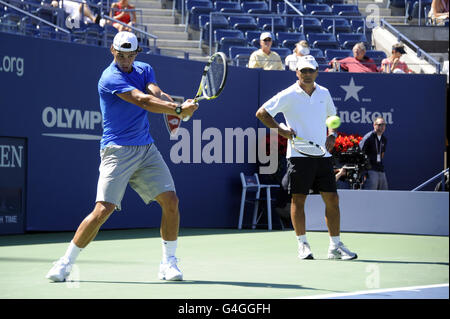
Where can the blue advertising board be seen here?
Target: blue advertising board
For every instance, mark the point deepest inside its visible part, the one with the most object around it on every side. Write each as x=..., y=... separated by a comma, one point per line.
x=13, y=163
x=48, y=94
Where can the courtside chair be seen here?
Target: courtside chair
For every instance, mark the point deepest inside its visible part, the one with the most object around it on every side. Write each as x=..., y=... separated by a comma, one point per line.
x=252, y=183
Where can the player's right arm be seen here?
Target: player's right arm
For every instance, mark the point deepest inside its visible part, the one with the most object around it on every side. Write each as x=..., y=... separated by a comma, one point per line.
x=270, y=122
x=154, y=104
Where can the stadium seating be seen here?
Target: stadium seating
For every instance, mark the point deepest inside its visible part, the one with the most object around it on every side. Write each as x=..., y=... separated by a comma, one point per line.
x=322, y=41
x=338, y=25
x=243, y=23
x=307, y=25
x=228, y=7
x=225, y=38
x=240, y=55
x=194, y=9
x=282, y=52
x=252, y=37
x=348, y=40
x=289, y=39
x=321, y=9
x=272, y=24
x=376, y=55
x=331, y=54
x=9, y=22
x=316, y=53
x=255, y=7
x=218, y=22
x=345, y=10
x=283, y=8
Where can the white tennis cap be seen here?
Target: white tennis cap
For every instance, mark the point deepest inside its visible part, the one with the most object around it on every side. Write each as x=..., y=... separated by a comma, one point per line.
x=125, y=41
x=265, y=35
x=307, y=61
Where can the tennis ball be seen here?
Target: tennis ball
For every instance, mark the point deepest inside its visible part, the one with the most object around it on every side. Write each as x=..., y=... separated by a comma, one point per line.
x=333, y=122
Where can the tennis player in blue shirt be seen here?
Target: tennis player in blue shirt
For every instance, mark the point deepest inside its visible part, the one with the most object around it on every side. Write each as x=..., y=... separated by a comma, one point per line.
x=128, y=90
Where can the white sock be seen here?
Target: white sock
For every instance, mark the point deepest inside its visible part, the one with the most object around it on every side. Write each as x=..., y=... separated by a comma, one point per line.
x=72, y=252
x=168, y=249
x=302, y=239
x=334, y=240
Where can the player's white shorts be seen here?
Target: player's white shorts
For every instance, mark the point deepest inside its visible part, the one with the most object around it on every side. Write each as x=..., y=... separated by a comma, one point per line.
x=141, y=166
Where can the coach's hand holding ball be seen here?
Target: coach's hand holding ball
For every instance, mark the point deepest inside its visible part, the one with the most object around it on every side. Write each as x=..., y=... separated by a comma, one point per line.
x=333, y=122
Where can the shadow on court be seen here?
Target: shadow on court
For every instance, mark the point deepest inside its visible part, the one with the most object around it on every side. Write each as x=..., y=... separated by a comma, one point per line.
x=205, y=282
x=38, y=238
x=401, y=262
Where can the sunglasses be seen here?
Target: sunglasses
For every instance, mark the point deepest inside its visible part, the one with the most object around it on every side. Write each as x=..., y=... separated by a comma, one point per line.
x=307, y=71
x=267, y=40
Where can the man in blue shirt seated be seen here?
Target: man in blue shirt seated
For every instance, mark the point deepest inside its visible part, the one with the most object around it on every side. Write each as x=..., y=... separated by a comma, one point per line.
x=128, y=90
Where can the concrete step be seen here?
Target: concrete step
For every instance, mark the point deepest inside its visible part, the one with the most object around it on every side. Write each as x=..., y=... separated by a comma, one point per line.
x=184, y=44
x=176, y=51
x=154, y=19
x=166, y=27
x=156, y=12
x=145, y=4
x=170, y=35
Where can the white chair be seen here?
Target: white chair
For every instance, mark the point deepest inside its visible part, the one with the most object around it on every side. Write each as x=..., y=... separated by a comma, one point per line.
x=252, y=182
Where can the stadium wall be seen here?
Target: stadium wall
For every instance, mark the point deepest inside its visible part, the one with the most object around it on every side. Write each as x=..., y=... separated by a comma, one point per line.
x=48, y=97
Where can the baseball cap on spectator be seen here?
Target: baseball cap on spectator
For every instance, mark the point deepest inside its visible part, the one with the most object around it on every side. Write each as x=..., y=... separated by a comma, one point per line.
x=399, y=47
x=307, y=61
x=125, y=41
x=265, y=35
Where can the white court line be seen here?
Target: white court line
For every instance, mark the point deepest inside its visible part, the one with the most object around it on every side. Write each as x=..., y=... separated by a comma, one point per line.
x=372, y=291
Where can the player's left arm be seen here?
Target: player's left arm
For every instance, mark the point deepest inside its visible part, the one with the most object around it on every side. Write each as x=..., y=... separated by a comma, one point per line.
x=331, y=110
x=154, y=89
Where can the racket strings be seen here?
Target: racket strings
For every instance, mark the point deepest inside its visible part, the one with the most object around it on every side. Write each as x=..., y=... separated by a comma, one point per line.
x=214, y=77
x=307, y=148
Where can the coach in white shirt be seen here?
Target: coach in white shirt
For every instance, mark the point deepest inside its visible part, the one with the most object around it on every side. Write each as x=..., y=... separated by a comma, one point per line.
x=306, y=106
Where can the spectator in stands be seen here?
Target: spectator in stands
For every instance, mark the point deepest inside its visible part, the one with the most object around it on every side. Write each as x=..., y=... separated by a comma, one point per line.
x=264, y=58
x=393, y=64
x=301, y=49
x=76, y=11
x=373, y=145
x=439, y=12
x=124, y=16
x=359, y=62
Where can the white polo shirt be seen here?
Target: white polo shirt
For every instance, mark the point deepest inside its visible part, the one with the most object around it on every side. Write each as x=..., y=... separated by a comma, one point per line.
x=305, y=114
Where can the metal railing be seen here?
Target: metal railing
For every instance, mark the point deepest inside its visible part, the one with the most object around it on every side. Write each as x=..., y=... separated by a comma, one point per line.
x=35, y=17
x=142, y=31
x=406, y=40
x=441, y=175
x=273, y=16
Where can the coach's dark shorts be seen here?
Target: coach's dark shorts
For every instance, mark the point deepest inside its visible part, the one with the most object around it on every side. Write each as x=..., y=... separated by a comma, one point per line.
x=306, y=173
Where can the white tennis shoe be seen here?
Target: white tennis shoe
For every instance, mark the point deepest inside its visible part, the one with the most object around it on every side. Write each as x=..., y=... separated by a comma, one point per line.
x=60, y=270
x=340, y=252
x=169, y=270
x=304, y=251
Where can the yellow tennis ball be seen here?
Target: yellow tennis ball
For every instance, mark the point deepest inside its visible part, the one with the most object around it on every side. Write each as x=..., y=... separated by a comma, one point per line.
x=333, y=122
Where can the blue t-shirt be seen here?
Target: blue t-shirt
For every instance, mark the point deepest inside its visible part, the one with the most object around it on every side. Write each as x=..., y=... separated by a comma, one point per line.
x=124, y=123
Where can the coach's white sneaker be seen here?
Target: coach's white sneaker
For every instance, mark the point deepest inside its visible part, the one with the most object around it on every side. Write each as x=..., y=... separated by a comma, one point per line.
x=169, y=270
x=60, y=270
x=304, y=251
x=340, y=252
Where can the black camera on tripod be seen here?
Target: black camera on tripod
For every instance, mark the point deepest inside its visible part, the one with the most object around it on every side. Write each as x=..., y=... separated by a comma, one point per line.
x=355, y=163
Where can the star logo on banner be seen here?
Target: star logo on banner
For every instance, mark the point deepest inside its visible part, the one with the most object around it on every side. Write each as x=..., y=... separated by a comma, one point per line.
x=351, y=90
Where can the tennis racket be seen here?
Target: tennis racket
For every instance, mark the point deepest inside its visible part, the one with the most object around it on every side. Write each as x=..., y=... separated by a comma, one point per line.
x=213, y=79
x=305, y=147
